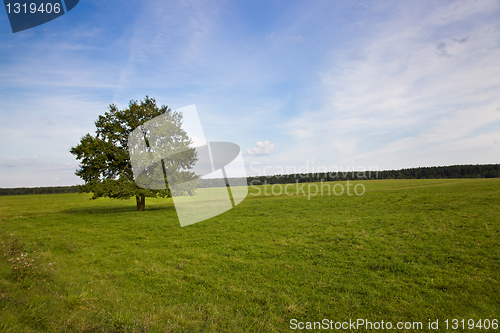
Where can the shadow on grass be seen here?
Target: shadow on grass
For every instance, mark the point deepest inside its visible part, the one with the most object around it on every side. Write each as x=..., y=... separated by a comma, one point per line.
x=114, y=210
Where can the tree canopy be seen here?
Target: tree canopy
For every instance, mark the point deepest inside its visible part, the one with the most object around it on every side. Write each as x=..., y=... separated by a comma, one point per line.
x=104, y=157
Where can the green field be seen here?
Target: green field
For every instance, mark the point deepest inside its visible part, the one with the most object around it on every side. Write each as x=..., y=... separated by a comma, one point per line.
x=405, y=251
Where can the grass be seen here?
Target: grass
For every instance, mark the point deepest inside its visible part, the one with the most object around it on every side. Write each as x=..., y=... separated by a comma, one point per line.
x=405, y=251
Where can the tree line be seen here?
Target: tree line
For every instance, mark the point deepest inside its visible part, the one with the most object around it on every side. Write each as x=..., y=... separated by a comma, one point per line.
x=39, y=190
x=453, y=171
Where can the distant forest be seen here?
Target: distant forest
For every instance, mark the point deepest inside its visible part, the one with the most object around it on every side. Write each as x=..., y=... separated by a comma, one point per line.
x=39, y=190
x=453, y=171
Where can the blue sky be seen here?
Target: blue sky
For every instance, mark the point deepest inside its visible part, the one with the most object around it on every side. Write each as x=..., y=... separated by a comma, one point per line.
x=298, y=85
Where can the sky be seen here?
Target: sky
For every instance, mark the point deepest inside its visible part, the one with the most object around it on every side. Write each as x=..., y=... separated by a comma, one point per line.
x=300, y=86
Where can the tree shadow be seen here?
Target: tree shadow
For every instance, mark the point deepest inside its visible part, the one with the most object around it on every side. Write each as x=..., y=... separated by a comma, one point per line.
x=113, y=210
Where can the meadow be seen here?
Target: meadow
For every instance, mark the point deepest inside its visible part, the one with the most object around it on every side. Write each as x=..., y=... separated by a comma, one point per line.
x=405, y=251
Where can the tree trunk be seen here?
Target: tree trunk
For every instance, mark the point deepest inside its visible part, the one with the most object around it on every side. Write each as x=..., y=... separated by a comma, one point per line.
x=141, y=202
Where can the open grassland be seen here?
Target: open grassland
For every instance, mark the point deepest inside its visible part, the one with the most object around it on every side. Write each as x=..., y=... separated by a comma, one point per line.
x=405, y=251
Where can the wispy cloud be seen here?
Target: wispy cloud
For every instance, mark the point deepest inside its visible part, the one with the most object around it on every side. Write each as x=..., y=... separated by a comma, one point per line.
x=171, y=35
x=21, y=162
x=357, y=55
x=297, y=38
x=61, y=166
x=418, y=85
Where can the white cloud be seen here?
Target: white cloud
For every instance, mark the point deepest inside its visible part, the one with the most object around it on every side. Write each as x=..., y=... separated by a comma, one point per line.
x=198, y=142
x=263, y=148
x=297, y=38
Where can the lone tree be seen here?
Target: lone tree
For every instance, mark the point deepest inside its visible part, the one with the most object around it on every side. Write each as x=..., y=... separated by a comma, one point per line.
x=104, y=158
